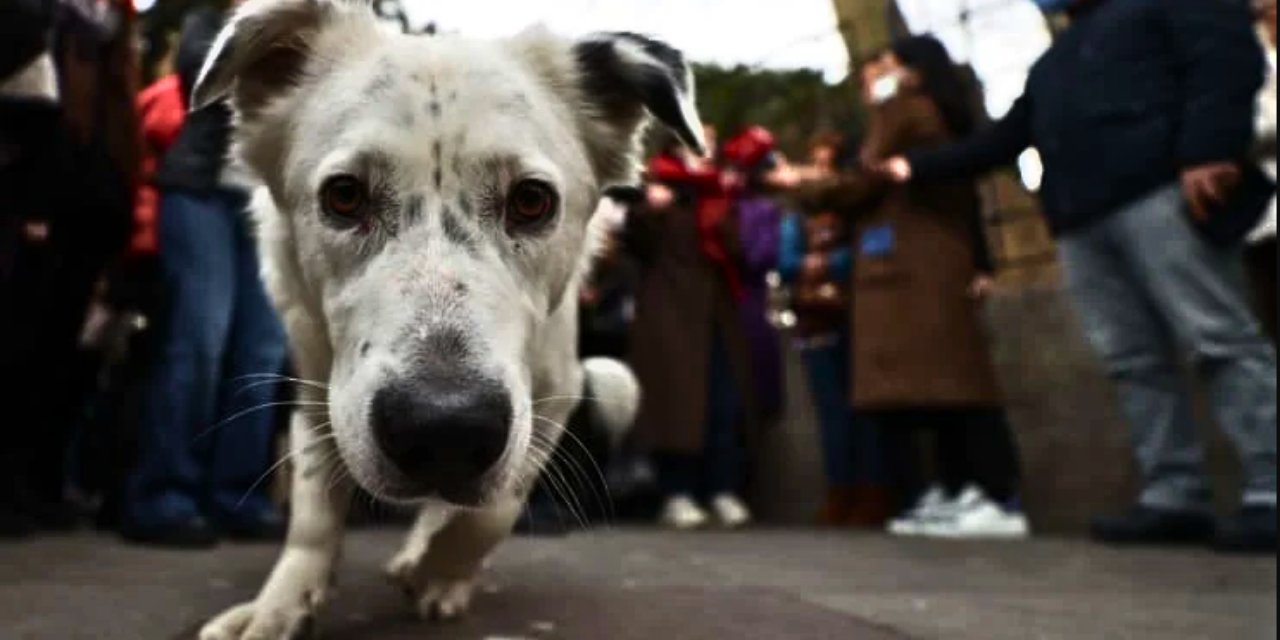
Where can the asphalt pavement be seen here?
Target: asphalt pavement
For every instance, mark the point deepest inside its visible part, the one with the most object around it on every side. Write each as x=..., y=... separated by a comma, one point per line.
x=648, y=585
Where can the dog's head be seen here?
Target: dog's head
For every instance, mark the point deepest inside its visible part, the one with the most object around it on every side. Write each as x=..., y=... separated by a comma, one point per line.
x=426, y=208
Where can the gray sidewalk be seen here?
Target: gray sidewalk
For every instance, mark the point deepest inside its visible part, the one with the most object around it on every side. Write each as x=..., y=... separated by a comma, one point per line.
x=640, y=585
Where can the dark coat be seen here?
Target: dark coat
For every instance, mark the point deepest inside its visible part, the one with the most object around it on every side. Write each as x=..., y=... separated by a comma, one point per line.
x=682, y=302
x=917, y=336
x=24, y=30
x=196, y=160
x=1131, y=93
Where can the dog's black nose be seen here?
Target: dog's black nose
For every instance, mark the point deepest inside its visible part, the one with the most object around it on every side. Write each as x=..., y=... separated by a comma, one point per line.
x=444, y=434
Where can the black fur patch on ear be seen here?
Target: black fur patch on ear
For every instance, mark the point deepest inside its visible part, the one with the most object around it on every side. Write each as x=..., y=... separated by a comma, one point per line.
x=664, y=53
x=623, y=85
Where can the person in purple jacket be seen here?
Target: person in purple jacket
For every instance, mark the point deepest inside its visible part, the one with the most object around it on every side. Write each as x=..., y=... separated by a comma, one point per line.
x=750, y=157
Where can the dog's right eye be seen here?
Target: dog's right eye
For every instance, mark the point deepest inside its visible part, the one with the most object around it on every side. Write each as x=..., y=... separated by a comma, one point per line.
x=344, y=197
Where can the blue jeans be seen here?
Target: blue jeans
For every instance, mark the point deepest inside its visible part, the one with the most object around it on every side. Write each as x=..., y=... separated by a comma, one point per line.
x=719, y=468
x=852, y=444
x=1148, y=289
x=221, y=330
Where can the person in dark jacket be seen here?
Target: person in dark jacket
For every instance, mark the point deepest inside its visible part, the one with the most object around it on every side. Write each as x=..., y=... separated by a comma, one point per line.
x=1143, y=114
x=205, y=439
x=689, y=349
x=66, y=138
x=921, y=357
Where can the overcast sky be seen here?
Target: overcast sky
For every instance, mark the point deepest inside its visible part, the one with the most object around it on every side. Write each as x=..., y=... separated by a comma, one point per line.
x=1003, y=38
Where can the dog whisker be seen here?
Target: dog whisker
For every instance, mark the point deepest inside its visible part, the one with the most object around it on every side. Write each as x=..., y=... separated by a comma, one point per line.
x=272, y=469
x=557, y=472
x=267, y=405
x=275, y=377
x=606, y=501
x=602, y=401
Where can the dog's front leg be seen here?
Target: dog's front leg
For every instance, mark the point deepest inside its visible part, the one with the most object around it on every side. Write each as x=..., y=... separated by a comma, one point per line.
x=289, y=602
x=445, y=552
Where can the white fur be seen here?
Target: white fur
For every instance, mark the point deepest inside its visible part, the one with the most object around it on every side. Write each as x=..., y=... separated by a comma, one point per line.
x=319, y=88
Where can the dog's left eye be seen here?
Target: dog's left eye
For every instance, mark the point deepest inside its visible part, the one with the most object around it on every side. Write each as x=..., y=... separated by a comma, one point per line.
x=344, y=197
x=530, y=202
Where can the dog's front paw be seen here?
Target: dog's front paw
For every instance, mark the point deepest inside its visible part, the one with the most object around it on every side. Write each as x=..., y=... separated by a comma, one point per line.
x=254, y=621
x=402, y=572
x=445, y=600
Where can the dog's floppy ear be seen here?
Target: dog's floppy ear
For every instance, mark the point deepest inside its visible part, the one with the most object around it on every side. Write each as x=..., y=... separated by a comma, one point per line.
x=623, y=75
x=260, y=53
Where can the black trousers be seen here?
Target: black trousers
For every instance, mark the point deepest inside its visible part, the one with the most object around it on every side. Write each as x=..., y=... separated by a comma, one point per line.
x=42, y=370
x=960, y=446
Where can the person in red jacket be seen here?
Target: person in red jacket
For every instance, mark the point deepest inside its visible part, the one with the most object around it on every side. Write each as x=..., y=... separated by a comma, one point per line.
x=161, y=112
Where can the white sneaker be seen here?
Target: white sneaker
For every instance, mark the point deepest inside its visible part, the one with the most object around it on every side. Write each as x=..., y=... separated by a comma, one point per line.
x=932, y=505
x=730, y=511
x=978, y=518
x=683, y=514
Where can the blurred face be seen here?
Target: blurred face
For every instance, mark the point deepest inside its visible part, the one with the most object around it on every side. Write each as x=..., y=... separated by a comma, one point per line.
x=882, y=76
x=822, y=155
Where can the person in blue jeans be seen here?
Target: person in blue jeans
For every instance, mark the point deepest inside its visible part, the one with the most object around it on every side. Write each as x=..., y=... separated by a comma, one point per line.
x=1142, y=111
x=206, y=428
x=815, y=261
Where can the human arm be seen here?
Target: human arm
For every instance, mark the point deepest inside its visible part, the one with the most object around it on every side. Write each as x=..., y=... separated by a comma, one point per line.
x=998, y=145
x=1222, y=68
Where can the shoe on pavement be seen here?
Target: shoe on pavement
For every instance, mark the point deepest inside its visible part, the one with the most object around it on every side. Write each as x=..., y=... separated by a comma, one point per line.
x=730, y=511
x=977, y=517
x=1144, y=525
x=193, y=534
x=683, y=514
x=1250, y=531
x=933, y=504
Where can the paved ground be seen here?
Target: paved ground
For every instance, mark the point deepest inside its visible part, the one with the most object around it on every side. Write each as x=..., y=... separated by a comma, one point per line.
x=637, y=585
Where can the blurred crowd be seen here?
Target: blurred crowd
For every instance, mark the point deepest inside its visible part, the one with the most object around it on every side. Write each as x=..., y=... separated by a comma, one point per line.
x=143, y=363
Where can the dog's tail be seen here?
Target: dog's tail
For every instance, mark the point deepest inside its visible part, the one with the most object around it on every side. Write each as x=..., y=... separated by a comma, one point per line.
x=614, y=395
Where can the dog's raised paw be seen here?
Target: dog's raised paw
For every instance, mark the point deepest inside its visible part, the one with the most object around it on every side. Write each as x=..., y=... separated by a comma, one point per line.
x=245, y=623
x=445, y=600
x=402, y=572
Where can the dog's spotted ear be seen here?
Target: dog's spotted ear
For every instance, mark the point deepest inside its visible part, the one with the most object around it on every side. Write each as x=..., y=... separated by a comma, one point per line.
x=261, y=52
x=625, y=75
x=626, y=72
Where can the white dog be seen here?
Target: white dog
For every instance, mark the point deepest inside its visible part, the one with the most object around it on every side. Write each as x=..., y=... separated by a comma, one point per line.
x=425, y=221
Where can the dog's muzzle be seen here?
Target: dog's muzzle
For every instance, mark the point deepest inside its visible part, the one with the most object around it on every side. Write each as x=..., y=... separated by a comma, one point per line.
x=444, y=434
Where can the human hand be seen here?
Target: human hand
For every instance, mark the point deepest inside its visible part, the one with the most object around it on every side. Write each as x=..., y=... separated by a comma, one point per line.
x=1208, y=186
x=897, y=169
x=982, y=287
x=815, y=264
x=659, y=196
x=36, y=231
x=785, y=177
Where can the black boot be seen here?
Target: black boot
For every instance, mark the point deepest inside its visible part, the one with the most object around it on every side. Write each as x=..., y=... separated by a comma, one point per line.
x=1148, y=526
x=1251, y=531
